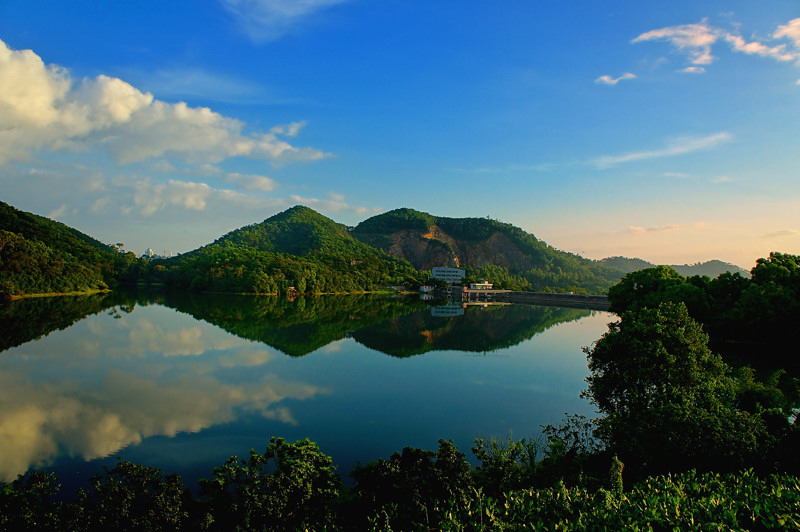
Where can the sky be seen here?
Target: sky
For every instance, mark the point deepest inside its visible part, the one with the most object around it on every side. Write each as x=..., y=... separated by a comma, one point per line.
x=668, y=131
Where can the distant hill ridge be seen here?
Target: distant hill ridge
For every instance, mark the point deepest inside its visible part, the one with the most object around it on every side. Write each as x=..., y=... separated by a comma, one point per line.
x=300, y=249
x=711, y=268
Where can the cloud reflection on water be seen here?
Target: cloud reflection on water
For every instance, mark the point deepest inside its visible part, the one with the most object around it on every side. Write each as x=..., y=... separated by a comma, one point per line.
x=107, y=383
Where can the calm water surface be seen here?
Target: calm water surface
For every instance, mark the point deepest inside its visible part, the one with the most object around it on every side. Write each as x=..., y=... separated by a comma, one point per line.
x=184, y=382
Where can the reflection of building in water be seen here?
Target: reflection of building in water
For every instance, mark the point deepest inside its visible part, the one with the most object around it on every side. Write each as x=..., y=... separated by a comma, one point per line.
x=447, y=311
x=448, y=275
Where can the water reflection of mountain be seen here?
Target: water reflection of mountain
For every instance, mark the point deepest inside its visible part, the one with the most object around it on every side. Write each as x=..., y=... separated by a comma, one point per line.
x=398, y=326
x=295, y=327
x=478, y=330
x=29, y=319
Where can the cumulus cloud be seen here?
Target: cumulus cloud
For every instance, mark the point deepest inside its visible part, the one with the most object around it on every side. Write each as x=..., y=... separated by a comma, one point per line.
x=608, y=80
x=696, y=41
x=146, y=197
x=42, y=107
x=679, y=146
x=267, y=20
x=334, y=203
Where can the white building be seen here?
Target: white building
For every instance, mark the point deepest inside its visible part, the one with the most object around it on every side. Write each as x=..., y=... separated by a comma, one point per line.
x=483, y=285
x=448, y=275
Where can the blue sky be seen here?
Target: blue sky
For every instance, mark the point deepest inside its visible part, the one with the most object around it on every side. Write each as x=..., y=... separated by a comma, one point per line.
x=668, y=131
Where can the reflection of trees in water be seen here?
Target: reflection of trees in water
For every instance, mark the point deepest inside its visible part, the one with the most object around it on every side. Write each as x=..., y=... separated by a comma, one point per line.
x=295, y=327
x=478, y=330
x=25, y=320
x=395, y=326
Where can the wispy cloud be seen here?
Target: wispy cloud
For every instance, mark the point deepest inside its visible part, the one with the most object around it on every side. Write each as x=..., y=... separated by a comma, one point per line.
x=679, y=146
x=664, y=228
x=696, y=42
x=43, y=107
x=608, y=80
x=191, y=83
x=781, y=233
x=267, y=20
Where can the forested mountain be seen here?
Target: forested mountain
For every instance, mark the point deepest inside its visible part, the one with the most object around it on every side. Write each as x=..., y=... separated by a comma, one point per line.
x=39, y=255
x=712, y=268
x=485, y=248
x=296, y=249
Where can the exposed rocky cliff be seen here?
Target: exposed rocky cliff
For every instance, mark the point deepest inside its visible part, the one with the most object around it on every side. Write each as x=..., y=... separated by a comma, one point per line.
x=486, y=248
x=435, y=247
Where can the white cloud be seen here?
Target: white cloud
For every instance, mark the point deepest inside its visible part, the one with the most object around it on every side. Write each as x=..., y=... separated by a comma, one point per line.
x=267, y=20
x=679, y=146
x=608, y=80
x=696, y=41
x=693, y=39
x=42, y=107
x=334, y=203
x=149, y=198
x=253, y=182
x=791, y=31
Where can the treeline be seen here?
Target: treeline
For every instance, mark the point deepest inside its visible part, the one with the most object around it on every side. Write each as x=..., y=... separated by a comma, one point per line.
x=750, y=321
x=294, y=486
x=39, y=255
x=561, y=275
x=218, y=268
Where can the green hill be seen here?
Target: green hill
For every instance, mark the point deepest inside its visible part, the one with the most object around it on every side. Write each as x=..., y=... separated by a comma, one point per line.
x=296, y=249
x=485, y=248
x=39, y=255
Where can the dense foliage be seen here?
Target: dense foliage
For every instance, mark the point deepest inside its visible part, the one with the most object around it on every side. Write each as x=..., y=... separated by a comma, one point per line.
x=748, y=320
x=39, y=255
x=297, y=250
x=294, y=486
x=669, y=403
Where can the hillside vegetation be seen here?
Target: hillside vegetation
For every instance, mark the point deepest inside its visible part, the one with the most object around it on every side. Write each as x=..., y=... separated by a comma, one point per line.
x=39, y=255
x=296, y=249
x=485, y=248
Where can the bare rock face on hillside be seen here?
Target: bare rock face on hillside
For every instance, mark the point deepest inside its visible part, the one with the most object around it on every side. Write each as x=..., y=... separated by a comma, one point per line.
x=437, y=248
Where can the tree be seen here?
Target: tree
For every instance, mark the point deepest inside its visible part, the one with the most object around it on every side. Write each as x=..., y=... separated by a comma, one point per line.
x=669, y=402
x=291, y=486
x=643, y=288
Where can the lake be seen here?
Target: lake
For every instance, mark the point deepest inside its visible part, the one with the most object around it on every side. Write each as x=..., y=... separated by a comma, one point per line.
x=182, y=382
